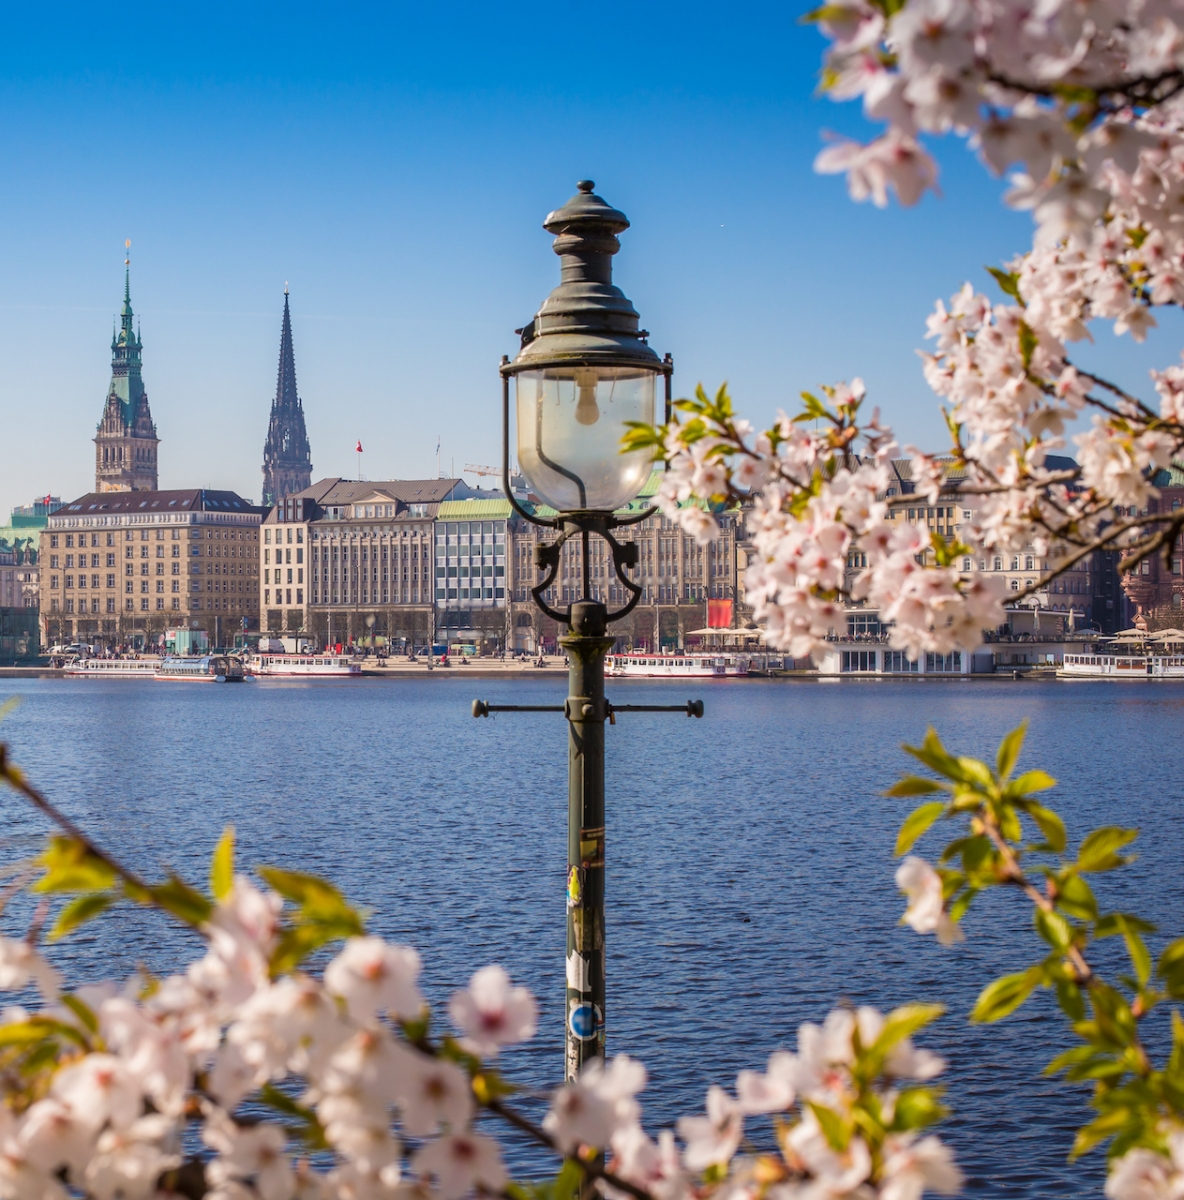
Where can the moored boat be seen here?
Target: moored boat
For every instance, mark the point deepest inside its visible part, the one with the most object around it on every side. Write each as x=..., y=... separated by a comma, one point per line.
x=639, y=665
x=113, y=668
x=302, y=665
x=207, y=668
x=1122, y=666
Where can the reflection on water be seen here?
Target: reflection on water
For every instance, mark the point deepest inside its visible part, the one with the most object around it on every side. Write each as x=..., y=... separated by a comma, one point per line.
x=749, y=854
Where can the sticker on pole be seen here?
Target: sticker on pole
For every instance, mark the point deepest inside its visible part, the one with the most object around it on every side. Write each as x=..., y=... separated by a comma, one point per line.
x=584, y=1022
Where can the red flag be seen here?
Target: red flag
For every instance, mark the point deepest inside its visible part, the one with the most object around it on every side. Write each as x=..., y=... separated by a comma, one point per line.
x=359, y=449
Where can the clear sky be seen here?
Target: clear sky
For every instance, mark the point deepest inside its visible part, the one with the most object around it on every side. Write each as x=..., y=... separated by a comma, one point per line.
x=393, y=163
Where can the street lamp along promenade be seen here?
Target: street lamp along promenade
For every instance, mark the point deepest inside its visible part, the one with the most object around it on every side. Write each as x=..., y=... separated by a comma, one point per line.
x=584, y=369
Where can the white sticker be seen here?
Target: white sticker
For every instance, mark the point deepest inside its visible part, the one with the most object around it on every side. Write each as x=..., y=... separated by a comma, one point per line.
x=577, y=973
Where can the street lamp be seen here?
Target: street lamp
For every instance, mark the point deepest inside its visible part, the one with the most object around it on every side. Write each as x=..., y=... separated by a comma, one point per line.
x=583, y=371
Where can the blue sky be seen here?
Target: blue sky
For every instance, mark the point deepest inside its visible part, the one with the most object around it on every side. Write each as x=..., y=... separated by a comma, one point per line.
x=394, y=163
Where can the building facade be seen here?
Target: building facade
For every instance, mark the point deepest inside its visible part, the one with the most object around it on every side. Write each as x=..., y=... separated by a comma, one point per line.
x=287, y=461
x=471, y=560
x=347, y=561
x=126, y=442
x=18, y=575
x=1154, y=590
x=120, y=569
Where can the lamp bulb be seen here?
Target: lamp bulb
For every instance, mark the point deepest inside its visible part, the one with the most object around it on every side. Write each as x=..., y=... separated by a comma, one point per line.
x=587, y=412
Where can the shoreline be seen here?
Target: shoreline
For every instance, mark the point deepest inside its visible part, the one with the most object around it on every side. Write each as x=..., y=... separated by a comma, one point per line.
x=557, y=670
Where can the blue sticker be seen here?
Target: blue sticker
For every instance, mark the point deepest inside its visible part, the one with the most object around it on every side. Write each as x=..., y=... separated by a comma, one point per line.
x=584, y=1021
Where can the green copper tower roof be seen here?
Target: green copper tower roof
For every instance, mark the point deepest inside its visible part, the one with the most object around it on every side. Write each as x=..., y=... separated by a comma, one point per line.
x=126, y=381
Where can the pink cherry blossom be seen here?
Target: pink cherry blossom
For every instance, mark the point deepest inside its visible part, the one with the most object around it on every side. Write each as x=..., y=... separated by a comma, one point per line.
x=372, y=976
x=459, y=1162
x=926, y=912
x=491, y=1013
x=714, y=1138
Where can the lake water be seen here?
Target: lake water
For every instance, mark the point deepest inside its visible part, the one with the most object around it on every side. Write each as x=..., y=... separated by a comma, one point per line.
x=749, y=855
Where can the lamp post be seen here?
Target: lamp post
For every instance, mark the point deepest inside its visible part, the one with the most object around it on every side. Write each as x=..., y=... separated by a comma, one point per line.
x=584, y=369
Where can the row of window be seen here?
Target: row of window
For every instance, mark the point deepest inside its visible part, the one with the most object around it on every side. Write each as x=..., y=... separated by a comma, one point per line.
x=897, y=662
x=470, y=593
x=130, y=605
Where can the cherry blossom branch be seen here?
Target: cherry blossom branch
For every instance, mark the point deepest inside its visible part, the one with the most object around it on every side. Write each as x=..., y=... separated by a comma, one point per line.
x=1016, y=877
x=15, y=778
x=1109, y=98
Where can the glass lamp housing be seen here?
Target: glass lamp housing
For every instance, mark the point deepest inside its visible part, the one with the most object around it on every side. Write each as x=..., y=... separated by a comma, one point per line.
x=570, y=424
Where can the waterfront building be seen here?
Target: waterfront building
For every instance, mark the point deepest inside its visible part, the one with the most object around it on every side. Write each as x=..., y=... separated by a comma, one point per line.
x=18, y=575
x=126, y=442
x=287, y=462
x=1154, y=590
x=346, y=560
x=121, y=568
x=18, y=635
x=18, y=553
x=470, y=571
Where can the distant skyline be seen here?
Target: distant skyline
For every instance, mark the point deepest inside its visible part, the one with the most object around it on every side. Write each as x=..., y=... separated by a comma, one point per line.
x=393, y=164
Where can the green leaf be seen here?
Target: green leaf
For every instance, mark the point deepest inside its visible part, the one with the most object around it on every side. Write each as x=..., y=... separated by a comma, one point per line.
x=70, y=867
x=915, y=1108
x=1028, y=343
x=18, y=1033
x=1099, y=850
x=916, y=823
x=1053, y=928
x=295, y=945
x=1171, y=968
x=1009, y=284
x=1115, y=923
x=310, y=1129
x=177, y=897
x=935, y=756
x=1051, y=826
x=1076, y=898
x=1031, y=781
x=1009, y=750
x=903, y=1022
x=80, y=910
x=1070, y=1000
x=569, y=1180
x=1140, y=956
x=836, y=1131
x=81, y=1010
x=913, y=785
x=1005, y=995
x=309, y=891
x=1099, y=1130
x=222, y=865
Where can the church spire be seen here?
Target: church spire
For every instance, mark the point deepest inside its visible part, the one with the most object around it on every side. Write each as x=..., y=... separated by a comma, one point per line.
x=125, y=448
x=287, y=466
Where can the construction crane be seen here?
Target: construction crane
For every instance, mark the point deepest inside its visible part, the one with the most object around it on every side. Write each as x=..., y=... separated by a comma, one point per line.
x=470, y=469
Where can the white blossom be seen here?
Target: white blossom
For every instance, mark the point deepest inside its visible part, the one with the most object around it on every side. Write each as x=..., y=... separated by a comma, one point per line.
x=912, y=1167
x=591, y=1109
x=372, y=976
x=714, y=1138
x=491, y=1013
x=926, y=911
x=459, y=1162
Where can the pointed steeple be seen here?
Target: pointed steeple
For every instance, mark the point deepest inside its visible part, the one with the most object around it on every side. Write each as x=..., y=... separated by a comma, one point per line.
x=126, y=445
x=287, y=465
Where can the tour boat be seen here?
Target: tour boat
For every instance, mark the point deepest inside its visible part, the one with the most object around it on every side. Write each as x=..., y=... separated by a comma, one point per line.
x=113, y=668
x=639, y=665
x=302, y=665
x=1122, y=666
x=208, y=668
